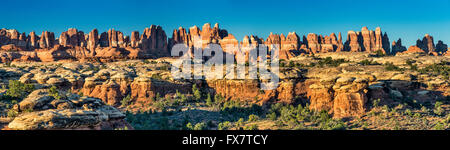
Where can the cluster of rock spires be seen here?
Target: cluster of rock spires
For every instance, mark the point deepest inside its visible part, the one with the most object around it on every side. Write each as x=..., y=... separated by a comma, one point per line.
x=153, y=43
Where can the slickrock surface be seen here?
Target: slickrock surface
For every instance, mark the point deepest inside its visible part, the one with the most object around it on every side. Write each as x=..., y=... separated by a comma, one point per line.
x=73, y=112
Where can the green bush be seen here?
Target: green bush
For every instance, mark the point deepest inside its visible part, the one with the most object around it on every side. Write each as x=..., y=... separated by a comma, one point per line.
x=55, y=93
x=196, y=92
x=438, y=110
x=209, y=101
x=272, y=116
x=442, y=68
x=367, y=62
x=18, y=89
x=12, y=113
x=224, y=125
x=253, y=118
x=126, y=100
x=411, y=64
x=328, y=61
x=379, y=53
x=251, y=127
x=198, y=126
x=389, y=66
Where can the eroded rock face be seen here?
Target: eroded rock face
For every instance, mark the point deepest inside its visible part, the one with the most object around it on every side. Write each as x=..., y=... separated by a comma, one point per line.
x=154, y=41
x=397, y=47
x=441, y=48
x=415, y=49
x=47, y=40
x=353, y=42
x=73, y=112
x=367, y=41
x=144, y=89
x=323, y=44
x=229, y=44
x=342, y=96
x=426, y=44
x=93, y=40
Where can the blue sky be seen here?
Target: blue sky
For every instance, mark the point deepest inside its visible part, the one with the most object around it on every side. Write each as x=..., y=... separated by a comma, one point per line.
x=406, y=19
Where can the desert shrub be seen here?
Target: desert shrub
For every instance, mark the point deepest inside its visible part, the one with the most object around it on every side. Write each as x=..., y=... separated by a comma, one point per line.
x=295, y=116
x=93, y=68
x=12, y=113
x=156, y=76
x=379, y=53
x=19, y=90
x=253, y=118
x=272, y=116
x=126, y=100
x=251, y=127
x=389, y=66
x=367, y=62
x=328, y=61
x=209, y=101
x=146, y=61
x=149, y=120
x=438, y=110
x=238, y=109
x=439, y=126
x=196, y=92
x=198, y=126
x=189, y=126
x=442, y=68
x=411, y=64
x=53, y=91
x=376, y=102
x=225, y=125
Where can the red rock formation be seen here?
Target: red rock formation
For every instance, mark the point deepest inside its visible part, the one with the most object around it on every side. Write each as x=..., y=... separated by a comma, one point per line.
x=135, y=39
x=104, y=40
x=178, y=36
x=194, y=35
x=289, y=46
x=397, y=47
x=353, y=42
x=144, y=89
x=367, y=40
x=274, y=40
x=47, y=40
x=340, y=45
x=414, y=49
x=243, y=90
x=426, y=44
x=32, y=40
x=154, y=41
x=22, y=41
x=229, y=42
x=92, y=40
x=113, y=38
x=441, y=48
x=314, y=43
x=64, y=39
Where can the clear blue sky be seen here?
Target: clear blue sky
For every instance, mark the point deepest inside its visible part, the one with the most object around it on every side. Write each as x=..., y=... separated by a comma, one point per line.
x=407, y=19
